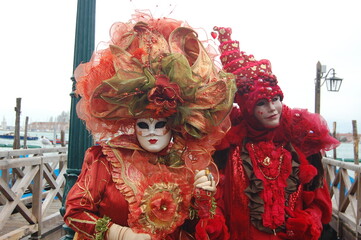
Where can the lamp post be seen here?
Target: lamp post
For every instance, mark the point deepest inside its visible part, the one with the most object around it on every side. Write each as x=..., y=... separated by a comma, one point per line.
x=79, y=138
x=333, y=84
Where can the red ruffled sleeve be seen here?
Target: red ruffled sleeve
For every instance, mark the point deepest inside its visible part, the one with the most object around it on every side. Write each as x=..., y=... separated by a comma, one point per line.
x=305, y=222
x=84, y=198
x=320, y=200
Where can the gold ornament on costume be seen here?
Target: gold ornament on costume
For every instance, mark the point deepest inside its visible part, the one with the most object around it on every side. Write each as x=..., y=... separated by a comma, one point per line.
x=161, y=205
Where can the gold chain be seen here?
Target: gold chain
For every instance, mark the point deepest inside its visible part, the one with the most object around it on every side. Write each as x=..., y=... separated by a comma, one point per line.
x=267, y=162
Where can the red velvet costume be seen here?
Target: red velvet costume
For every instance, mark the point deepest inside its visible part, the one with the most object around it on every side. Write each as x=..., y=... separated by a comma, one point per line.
x=273, y=179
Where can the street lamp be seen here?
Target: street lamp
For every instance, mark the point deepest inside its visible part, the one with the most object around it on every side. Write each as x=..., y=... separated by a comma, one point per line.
x=333, y=83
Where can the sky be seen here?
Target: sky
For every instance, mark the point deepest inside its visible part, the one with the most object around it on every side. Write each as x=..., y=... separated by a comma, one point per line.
x=37, y=48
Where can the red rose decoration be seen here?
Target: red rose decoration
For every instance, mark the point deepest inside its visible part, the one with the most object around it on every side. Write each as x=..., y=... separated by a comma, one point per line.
x=164, y=97
x=162, y=206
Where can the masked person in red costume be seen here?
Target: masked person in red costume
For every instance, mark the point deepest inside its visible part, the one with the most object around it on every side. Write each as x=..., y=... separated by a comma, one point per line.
x=155, y=93
x=274, y=184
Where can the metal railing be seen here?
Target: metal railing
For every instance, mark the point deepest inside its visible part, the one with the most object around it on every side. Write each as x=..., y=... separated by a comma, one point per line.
x=31, y=180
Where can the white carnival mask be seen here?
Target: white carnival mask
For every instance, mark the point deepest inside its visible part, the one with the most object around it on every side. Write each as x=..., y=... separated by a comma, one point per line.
x=153, y=134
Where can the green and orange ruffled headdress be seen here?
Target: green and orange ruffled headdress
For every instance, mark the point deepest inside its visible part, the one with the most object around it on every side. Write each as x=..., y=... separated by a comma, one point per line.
x=153, y=68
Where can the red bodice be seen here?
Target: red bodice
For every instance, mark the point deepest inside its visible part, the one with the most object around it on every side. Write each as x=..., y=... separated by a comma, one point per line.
x=108, y=187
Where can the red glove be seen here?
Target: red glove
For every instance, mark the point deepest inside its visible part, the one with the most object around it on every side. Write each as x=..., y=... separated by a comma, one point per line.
x=203, y=203
x=211, y=224
x=302, y=226
x=214, y=228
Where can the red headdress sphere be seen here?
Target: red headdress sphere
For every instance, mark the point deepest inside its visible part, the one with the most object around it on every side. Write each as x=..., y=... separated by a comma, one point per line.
x=254, y=78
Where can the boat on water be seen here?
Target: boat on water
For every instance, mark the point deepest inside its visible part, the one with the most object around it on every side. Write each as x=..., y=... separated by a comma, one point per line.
x=11, y=135
x=4, y=145
x=58, y=141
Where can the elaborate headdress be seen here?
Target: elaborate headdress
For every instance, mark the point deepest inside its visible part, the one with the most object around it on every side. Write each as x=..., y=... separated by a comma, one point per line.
x=254, y=78
x=256, y=81
x=153, y=68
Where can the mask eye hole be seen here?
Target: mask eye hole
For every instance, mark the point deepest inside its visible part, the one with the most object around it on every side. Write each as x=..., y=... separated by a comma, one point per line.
x=276, y=98
x=143, y=125
x=160, y=124
x=261, y=103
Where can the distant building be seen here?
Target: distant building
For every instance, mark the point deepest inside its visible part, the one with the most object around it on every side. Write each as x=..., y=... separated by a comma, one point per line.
x=345, y=137
x=3, y=124
x=48, y=126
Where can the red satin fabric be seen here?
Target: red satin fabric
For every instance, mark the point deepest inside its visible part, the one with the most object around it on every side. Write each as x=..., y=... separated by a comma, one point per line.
x=95, y=195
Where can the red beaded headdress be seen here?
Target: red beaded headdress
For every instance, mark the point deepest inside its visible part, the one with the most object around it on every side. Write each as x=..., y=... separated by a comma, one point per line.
x=254, y=78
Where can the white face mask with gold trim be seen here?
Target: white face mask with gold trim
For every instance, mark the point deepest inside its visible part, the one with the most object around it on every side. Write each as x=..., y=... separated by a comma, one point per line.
x=153, y=134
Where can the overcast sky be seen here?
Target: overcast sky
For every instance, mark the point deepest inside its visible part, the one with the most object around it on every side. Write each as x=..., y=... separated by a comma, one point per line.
x=37, y=41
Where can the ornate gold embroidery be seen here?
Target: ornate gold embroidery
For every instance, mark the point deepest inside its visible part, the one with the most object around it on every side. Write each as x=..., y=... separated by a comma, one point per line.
x=76, y=220
x=86, y=195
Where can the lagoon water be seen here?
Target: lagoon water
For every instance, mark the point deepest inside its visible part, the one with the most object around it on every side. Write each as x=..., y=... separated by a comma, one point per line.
x=345, y=150
x=48, y=135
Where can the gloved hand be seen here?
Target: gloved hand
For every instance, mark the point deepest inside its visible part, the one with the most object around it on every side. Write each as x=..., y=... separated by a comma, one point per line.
x=205, y=188
x=302, y=226
x=210, y=225
x=204, y=180
x=117, y=232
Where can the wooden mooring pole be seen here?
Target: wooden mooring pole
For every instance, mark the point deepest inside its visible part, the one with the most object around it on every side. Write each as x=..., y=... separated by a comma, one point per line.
x=16, y=144
x=26, y=132
x=356, y=141
x=334, y=135
x=62, y=138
